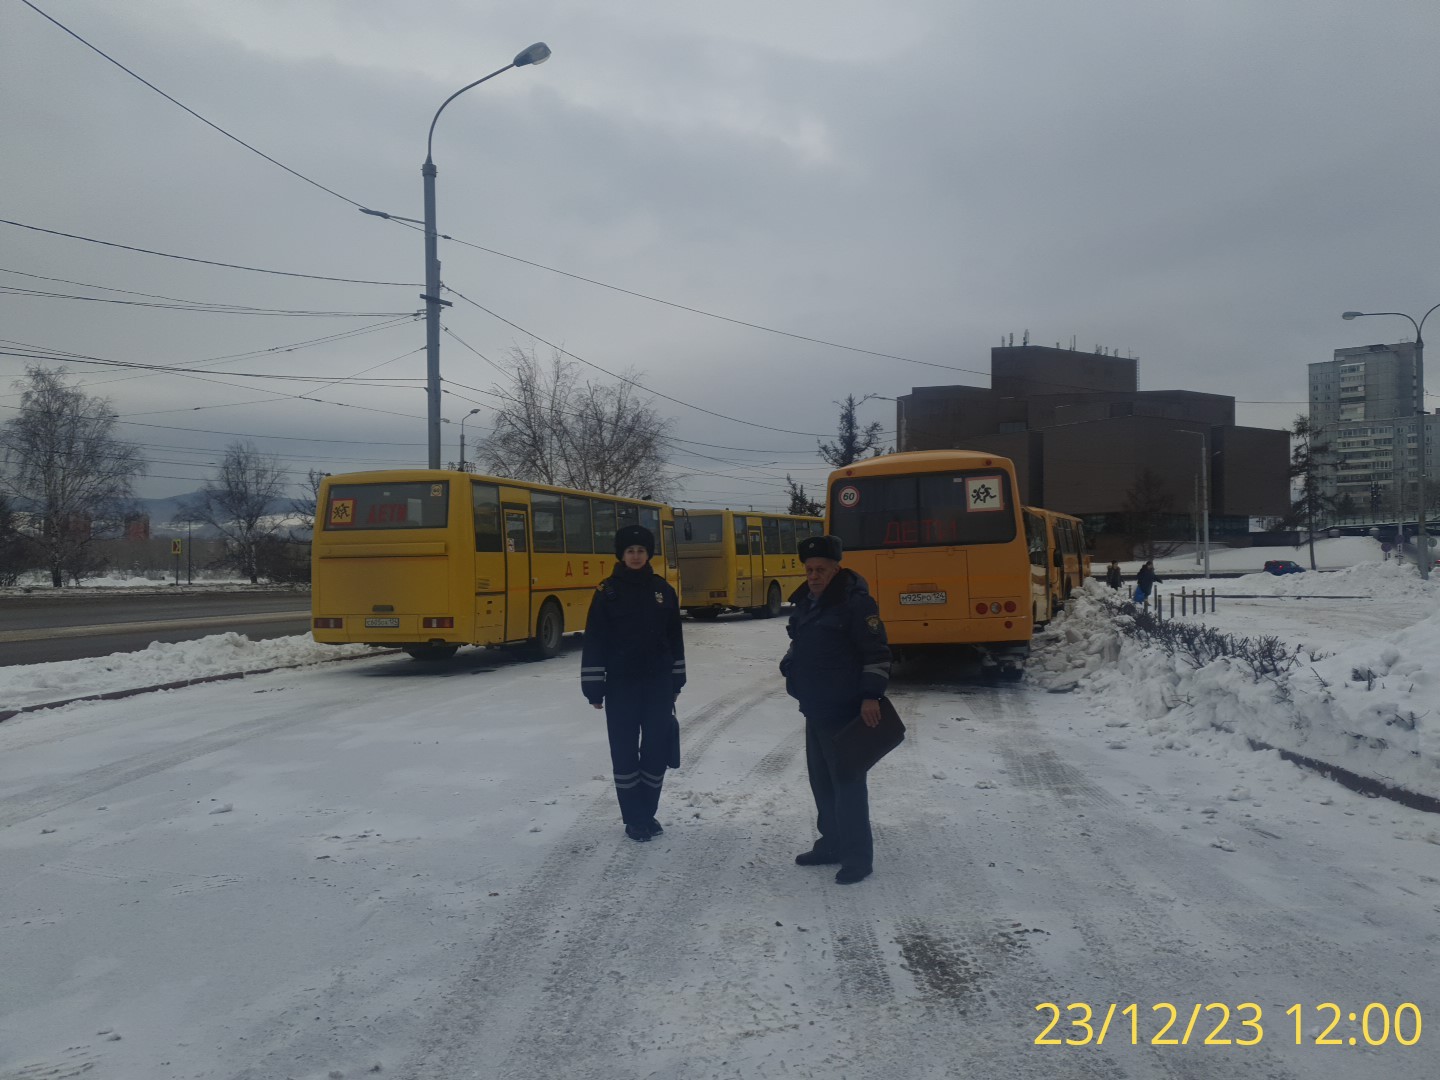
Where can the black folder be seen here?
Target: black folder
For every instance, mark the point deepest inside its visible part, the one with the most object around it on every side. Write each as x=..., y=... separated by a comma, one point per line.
x=859, y=746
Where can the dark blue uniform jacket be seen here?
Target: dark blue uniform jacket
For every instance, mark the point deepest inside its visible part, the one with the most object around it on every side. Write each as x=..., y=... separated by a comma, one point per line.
x=838, y=654
x=632, y=633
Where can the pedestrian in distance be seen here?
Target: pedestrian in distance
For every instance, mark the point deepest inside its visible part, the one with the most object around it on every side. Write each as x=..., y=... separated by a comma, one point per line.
x=837, y=667
x=1113, y=577
x=1145, y=582
x=633, y=667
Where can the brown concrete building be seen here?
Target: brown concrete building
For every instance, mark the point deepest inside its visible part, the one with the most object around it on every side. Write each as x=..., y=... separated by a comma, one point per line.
x=1081, y=432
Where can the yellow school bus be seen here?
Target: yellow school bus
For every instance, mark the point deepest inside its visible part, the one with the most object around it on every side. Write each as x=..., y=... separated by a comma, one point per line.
x=731, y=561
x=1059, y=562
x=939, y=536
x=427, y=560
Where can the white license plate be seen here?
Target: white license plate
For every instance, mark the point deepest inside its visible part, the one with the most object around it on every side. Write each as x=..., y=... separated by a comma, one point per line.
x=380, y=624
x=922, y=598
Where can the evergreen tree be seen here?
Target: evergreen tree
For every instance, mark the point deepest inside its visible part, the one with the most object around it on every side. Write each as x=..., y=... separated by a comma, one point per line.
x=800, y=503
x=854, y=442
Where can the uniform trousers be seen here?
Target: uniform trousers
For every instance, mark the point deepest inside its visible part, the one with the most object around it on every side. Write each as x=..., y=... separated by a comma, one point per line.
x=842, y=798
x=637, y=718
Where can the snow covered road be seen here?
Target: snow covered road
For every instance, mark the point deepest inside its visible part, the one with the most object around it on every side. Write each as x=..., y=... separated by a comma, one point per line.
x=313, y=873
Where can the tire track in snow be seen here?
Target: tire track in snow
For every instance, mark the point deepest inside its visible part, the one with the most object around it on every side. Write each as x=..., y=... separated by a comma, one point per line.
x=544, y=989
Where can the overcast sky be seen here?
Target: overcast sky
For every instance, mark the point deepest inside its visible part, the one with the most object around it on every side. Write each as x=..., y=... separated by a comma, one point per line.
x=1202, y=184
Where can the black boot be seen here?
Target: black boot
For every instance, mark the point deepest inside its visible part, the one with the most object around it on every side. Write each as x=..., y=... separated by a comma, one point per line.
x=655, y=827
x=639, y=833
x=815, y=857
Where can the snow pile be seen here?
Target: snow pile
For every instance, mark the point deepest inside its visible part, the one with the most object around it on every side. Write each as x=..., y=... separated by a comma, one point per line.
x=1372, y=707
x=162, y=662
x=1392, y=580
x=1081, y=639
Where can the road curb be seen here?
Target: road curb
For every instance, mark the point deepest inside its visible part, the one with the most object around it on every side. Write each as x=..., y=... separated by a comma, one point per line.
x=178, y=684
x=1364, y=785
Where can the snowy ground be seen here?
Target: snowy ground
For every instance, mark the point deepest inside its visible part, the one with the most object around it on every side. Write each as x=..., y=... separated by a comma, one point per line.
x=1330, y=554
x=375, y=863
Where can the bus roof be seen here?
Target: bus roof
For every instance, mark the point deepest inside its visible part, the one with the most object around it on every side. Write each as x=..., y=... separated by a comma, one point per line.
x=923, y=461
x=398, y=476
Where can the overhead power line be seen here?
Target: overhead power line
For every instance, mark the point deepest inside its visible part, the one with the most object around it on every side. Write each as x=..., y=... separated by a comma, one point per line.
x=192, y=112
x=622, y=378
x=207, y=262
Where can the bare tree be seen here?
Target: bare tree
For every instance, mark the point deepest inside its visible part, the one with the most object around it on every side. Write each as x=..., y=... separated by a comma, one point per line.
x=17, y=552
x=1147, y=505
x=556, y=429
x=238, y=505
x=304, y=506
x=853, y=441
x=69, y=478
x=801, y=503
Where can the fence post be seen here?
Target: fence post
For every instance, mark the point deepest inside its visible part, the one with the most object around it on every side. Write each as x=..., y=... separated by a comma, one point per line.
x=1184, y=595
x=1212, y=598
x=1172, y=605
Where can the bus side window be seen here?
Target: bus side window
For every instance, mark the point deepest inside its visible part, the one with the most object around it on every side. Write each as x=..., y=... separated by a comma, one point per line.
x=626, y=514
x=486, y=501
x=771, y=527
x=787, y=537
x=742, y=545
x=604, y=526
x=546, y=522
x=579, y=535
x=650, y=519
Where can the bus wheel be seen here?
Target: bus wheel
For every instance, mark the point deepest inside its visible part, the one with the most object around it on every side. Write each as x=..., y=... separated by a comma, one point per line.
x=549, y=629
x=771, y=607
x=706, y=614
x=432, y=652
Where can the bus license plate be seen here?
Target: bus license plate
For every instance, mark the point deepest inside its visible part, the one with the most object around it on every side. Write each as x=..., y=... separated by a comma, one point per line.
x=922, y=598
x=380, y=624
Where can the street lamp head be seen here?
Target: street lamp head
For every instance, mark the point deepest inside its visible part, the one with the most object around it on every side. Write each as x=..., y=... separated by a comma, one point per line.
x=472, y=412
x=535, y=54
x=1348, y=315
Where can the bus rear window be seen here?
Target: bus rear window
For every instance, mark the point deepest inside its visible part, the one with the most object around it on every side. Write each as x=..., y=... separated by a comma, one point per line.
x=700, y=528
x=363, y=507
x=927, y=510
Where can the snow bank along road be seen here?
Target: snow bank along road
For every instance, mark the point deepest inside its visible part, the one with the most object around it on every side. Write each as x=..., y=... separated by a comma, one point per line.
x=317, y=872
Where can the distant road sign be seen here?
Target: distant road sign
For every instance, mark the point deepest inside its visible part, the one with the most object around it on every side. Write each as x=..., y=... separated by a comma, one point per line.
x=177, y=547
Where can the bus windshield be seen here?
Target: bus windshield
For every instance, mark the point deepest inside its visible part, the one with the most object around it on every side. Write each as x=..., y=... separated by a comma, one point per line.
x=361, y=507
x=923, y=510
x=700, y=528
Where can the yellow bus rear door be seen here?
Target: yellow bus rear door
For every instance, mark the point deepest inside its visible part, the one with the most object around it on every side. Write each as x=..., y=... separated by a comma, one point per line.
x=517, y=576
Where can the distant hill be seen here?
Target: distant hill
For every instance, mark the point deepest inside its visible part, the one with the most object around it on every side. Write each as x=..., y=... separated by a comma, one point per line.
x=163, y=511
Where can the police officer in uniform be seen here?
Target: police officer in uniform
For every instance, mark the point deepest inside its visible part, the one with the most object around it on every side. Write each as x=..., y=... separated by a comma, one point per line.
x=633, y=667
x=838, y=666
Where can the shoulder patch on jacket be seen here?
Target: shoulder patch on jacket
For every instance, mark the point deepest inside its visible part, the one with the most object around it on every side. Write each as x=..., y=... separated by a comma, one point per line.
x=873, y=622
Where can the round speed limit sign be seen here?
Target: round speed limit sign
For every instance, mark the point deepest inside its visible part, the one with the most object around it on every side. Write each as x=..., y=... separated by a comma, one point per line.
x=849, y=496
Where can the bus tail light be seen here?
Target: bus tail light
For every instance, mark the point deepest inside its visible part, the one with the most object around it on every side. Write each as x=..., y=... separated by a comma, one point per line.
x=438, y=622
x=1009, y=607
x=980, y=609
x=329, y=624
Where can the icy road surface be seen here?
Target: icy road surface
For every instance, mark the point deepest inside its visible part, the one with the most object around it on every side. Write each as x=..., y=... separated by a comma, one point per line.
x=381, y=868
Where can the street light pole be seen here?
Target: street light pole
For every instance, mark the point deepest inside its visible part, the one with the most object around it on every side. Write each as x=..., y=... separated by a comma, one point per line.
x=535, y=54
x=1422, y=538
x=1204, y=491
x=467, y=416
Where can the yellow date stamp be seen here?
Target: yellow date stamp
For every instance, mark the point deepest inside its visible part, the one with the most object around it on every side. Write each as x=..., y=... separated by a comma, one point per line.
x=1219, y=1023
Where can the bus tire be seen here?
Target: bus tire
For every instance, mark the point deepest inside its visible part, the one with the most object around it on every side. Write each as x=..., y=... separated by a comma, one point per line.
x=549, y=629
x=431, y=653
x=771, y=607
x=1012, y=673
x=705, y=614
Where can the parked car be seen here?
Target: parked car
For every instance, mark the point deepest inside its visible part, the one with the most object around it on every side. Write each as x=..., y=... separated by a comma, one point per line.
x=1283, y=566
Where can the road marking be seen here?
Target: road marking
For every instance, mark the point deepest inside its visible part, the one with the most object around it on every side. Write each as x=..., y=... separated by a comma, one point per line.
x=104, y=629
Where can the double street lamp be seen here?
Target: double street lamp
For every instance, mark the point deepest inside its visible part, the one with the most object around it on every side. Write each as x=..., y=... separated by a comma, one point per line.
x=1422, y=539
